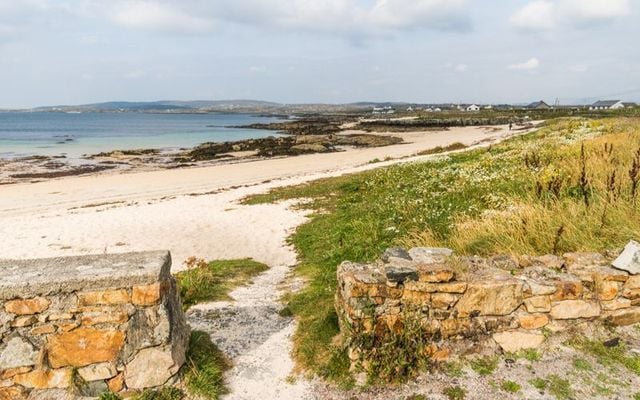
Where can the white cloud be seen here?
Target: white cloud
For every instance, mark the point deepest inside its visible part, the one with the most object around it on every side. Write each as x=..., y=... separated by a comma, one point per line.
x=530, y=64
x=537, y=15
x=403, y=14
x=159, y=17
x=342, y=17
x=461, y=67
x=546, y=15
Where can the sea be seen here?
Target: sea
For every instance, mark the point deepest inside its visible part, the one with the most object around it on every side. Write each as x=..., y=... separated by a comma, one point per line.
x=75, y=135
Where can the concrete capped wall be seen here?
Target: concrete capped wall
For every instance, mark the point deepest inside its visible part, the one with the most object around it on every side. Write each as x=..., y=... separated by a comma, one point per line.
x=89, y=324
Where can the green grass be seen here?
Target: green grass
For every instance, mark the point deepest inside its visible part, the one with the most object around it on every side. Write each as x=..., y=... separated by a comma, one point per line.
x=539, y=384
x=441, y=149
x=484, y=366
x=455, y=393
x=210, y=281
x=510, y=386
x=522, y=196
x=559, y=387
x=608, y=356
x=582, y=364
x=204, y=367
x=167, y=393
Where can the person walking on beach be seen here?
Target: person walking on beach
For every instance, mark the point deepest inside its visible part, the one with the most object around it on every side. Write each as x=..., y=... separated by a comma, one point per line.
x=510, y=125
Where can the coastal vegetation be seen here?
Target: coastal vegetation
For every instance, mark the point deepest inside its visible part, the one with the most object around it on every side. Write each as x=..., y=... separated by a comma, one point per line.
x=211, y=281
x=572, y=185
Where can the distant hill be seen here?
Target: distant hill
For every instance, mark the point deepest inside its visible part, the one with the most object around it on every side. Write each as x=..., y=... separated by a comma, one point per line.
x=167, y=106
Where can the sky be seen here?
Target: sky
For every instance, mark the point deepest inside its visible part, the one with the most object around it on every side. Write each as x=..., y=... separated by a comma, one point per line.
x=318, y=51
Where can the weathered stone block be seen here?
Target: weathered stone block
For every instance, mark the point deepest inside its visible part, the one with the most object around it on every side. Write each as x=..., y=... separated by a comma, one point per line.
x=490, y=298
x=45, y=379
x=146, y=295
x=631, y=288
x=112, y=317
x=84, y=346
x=513, y=341
x=606, y=290
x=443, y=301
x=151, y=367
x=629, y=259
x=435, y=273
x=538, y=304
x=568, y=290
x=429, y=255
x=12, y=393
x=104, y=297
x=17, y=352
x=533, y=321
x=96, y=372
x=27, y=307
x=616, y=304
x=532, y=288
x=628, y=316
x=573, y=309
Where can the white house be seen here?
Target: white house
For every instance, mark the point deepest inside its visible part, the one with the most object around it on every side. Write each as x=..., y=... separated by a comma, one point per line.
x=473, y=108
x=607, y=105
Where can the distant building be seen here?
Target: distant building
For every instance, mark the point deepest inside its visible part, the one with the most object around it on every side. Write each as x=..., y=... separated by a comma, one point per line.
x=538, y=105
x=607, y=105
x=473, y=108
x=629, y=105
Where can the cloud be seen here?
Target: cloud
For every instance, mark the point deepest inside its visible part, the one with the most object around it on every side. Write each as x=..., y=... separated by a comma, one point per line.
x=530, y=64
x=547, y=15
x=335, y=17
x=159, y=17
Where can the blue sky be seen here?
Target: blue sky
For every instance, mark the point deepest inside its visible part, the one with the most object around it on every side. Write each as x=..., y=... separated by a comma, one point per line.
x=335, y=51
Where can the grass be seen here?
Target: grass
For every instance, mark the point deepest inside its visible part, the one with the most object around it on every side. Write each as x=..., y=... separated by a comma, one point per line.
x=559, y=387
x=210, y=281
x=166, y=393
x=442, y=149
x=539, y=383
x=608, y=356
x=510, y=386
x=582, y=364
x=455, y=393
x=566, y=187
x=204, y=367
x=484, y=366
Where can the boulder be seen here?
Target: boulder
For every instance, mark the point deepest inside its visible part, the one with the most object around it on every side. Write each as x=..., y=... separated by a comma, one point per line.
x=629, y=259
x=513, y=341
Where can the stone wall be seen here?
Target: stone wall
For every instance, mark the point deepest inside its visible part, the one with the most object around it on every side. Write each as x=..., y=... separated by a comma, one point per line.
x=85, y=325
x=510, y=300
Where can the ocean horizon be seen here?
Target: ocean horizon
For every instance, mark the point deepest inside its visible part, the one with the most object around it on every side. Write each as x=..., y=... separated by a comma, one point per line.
x=75, y=135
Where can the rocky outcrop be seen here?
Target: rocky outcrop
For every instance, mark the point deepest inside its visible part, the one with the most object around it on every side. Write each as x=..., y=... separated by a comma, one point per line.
x=504, y=299
x=115, y=321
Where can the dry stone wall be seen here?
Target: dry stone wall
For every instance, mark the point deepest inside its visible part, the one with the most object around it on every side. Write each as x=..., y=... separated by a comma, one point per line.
x=89, y=324
x=510, y=300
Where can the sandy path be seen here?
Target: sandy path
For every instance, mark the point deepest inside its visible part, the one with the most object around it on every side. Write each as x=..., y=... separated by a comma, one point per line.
x=155, y=210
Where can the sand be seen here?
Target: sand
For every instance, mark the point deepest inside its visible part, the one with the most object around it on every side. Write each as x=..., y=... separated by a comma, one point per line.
x=195, y=212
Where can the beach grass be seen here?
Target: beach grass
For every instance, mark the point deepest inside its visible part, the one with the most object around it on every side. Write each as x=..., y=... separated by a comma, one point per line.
x=569, y=186
x=203, y=281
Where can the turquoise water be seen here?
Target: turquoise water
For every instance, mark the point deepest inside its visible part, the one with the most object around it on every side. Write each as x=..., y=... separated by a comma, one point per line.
x=74, y=135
